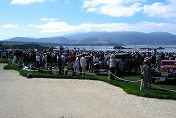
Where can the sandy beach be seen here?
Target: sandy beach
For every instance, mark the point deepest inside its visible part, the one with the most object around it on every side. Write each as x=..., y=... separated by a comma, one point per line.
x=57, y=98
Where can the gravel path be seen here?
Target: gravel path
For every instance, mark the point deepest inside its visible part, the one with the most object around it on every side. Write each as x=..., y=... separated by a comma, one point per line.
x=53, y=98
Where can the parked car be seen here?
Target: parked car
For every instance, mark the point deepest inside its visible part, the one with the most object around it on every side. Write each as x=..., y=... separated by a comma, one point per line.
x=101, y=66
x=125, y=61
x=168, y=70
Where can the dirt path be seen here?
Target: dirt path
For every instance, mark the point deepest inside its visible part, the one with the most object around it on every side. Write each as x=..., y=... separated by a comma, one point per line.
x=53, y=98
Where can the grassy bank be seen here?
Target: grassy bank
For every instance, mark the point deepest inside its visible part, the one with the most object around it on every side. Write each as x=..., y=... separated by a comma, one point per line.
x=128, y=87
x=3, y=61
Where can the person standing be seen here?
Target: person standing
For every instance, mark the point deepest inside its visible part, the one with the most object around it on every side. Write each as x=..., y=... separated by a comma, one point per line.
x=71, y=61
x=77, y=64
x=95, y=59
x=83, y=63
x=14, y=57
x=158, y=62
x=147, y=76
x=63, y=60
x=163, y=56
x=112, y=66
x=37, y=59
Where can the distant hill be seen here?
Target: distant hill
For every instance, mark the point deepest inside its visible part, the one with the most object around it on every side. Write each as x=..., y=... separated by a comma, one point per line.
x=96, y=38
x=127, y=38
x=20, y=39
x=24, y=46
x=40, y=40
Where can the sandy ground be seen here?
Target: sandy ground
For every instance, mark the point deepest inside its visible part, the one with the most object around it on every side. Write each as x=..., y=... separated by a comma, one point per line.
x=53, y=98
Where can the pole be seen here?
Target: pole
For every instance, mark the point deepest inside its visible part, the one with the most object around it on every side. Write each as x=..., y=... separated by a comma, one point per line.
x=141, y=84
x=30, y=67
x=109, y=74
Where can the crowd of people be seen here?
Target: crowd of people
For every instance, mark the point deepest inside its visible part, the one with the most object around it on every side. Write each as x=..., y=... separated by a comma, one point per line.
x=75, y=60
x=81, y=60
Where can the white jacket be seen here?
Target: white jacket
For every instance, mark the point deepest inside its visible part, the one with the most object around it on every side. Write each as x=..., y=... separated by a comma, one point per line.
x=83, y=62
x=77, y=64
x=113, y=63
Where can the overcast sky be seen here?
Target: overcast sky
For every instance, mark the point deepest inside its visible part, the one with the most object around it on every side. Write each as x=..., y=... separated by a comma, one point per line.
x=45, y=18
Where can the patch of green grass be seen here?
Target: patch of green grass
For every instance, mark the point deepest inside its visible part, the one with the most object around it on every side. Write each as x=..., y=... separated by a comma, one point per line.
x=3, y=61
x=168, y=84
x=128, y=87
x=36, y=74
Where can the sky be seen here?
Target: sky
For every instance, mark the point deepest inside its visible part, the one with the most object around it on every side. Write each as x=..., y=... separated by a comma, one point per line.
x=50, y=18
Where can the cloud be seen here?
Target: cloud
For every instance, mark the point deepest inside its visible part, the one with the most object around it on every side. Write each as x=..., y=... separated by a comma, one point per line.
x=118, y=11
x=49, y=19
x=24, y=2
x=127, y=8
x=115, y=8
x=10, y=26
x=67, y=2
x=160, y=9
x=62, y=27
x=55, y=27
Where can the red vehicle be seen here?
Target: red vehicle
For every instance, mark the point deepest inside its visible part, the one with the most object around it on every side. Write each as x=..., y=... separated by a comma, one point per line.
x=168, y=69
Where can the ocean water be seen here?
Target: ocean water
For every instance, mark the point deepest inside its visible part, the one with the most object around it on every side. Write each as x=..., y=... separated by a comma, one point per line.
x=167, y=48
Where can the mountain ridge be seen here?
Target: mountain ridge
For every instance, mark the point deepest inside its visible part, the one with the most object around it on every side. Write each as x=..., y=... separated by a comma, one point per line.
x=124, y=38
